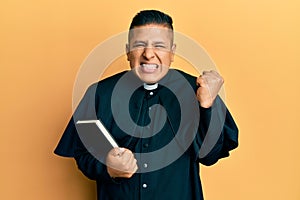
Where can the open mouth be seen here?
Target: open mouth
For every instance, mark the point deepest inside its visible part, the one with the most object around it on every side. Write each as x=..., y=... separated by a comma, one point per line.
x=148, y=68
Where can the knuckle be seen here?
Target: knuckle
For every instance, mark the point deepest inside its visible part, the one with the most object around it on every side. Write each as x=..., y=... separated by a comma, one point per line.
x=124, y=164
x=126, y=168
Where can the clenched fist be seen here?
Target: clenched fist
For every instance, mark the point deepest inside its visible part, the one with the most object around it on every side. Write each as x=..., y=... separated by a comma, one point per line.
x=210, y=83
x=121, y=162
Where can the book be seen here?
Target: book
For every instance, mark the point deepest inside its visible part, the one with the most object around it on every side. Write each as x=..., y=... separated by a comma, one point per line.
x=95, y=137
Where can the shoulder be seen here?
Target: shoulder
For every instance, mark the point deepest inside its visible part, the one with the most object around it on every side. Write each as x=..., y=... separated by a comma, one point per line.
x=106, y=84
x=112, y=80
x=190, y=78
x=186, y=75
x=104, y=87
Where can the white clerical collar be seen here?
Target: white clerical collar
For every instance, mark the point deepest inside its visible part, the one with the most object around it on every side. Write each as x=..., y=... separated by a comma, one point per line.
x=150, y=86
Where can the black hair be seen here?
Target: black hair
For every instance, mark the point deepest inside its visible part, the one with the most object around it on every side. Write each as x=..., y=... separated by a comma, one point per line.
x=145, y=17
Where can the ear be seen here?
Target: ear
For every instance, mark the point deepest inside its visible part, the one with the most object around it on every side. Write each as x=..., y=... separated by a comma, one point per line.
x=173, y=49
x=127, y=51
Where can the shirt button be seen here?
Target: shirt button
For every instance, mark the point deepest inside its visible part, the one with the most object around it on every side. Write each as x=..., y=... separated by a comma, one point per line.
x=145, y=185
x=145, y=165
x=151, y=93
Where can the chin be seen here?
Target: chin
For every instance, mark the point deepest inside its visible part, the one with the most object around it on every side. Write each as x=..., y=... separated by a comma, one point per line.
x=149, y=80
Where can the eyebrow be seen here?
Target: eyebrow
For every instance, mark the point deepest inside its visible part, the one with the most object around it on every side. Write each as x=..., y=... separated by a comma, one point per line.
x=145, y=42
x=159, y=42
x=139, y=41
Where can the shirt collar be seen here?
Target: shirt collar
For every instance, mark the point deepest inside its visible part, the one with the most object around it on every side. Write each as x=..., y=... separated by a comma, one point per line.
x=150, y=86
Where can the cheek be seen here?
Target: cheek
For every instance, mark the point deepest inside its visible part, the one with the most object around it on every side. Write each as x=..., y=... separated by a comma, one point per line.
x=167, y=59
x=132, y=59
x=172, y=57
x=134, y=56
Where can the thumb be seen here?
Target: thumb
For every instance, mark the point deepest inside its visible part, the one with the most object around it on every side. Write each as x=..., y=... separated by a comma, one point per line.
x=118, y=151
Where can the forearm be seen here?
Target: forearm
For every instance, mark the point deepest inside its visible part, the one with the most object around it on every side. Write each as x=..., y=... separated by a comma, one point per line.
x=209, y=139
x=217, y=133
x=89, y=165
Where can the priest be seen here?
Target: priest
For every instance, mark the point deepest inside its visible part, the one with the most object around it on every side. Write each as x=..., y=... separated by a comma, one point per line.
x=165, y=121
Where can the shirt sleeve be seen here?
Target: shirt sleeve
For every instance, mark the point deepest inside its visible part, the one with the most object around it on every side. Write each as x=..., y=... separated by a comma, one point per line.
x=85, y=110
x=70, y=144
x=217, y=135
x=90, y=166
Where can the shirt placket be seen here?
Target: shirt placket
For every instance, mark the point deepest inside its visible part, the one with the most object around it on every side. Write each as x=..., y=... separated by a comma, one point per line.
x=146, y=186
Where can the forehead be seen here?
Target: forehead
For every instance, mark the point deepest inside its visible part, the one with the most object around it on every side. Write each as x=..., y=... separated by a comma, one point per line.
x=151, y=32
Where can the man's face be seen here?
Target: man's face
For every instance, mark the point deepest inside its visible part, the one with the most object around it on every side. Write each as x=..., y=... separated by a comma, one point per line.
x=150, y=52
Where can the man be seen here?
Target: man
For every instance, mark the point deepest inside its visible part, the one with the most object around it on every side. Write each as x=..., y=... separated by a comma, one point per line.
x=164, y=131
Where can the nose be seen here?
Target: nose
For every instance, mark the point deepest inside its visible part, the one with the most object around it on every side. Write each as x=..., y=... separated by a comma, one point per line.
x=148, y=53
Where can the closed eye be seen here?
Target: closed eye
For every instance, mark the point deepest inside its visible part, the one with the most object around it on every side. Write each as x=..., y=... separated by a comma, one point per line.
x=160, y=46
x=139, y=44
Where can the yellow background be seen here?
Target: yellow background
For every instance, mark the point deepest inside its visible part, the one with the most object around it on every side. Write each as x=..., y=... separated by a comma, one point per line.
x=255, y=45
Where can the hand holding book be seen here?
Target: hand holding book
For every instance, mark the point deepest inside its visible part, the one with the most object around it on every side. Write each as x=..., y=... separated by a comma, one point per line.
x=120, y=162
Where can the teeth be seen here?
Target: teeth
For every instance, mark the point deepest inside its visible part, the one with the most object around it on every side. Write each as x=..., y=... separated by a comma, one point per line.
x=149, y=66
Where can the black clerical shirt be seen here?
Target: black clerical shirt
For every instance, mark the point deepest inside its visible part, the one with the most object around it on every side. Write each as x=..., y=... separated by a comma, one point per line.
x=158, y=177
